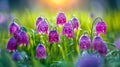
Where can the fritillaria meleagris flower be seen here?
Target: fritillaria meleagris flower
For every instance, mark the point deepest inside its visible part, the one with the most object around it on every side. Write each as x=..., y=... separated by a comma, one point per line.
x=117, y=43
x=68, y=30
x=12, y=44
x=61, y=18
x=21, y=37
x=84, y=42
x=16, y=56
x=42, y=27
x=99, y=45
x=101, y=27
x=13, y=27
x=75, y=23
x=17, y=35
x=24, y=40
x=89, y=61
x=53, y=36
x=40, y=52
x=38, y=21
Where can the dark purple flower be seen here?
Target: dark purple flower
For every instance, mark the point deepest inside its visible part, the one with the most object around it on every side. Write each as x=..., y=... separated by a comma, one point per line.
x=13, y=27
x=84, y=42
x=101, y=27
x=61, y=18
x=40, y=52
x=16, y=56
x=42, y=27
x=89, y=61
x=75, y=23
x=38, y=21
x=12, y=44
x=23, y=39
x=117, y=44
x=68, y=30
x=53, y=36
x=99, y=46
x=17, y=35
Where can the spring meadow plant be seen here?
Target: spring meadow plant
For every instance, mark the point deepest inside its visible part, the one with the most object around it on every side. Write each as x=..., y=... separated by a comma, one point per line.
x=75, y=23
x=61, y=18
x=68, y=30
x=12, y=44
x=38, y=21
x=84, y=42
x=42, y=27
x=13, y=27
x=40, y=52
x=53, y=37
x=80, y=48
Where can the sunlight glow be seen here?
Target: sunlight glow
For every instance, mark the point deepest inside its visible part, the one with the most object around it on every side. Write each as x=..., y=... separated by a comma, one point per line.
x=60, y=3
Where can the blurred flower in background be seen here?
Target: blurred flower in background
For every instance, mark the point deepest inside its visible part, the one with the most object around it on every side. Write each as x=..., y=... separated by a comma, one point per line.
x=2, y=18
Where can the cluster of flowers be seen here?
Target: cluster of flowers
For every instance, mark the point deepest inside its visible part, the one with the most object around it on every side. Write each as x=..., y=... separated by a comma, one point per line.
x=20, y=37
x=97, y=43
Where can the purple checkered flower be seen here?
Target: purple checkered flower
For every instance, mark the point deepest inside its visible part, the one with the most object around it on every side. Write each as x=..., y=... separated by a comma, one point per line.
x=42, y=27
x=75, y=23
x=53, y=36
x=23, y=39
x=17, y=35
x=40, y=52
x=84, y=42
x=12, y=44
x=99, y=45
x=38, y=21
x=101, y=27
x=61, y=18
x=13, y=27
x=68, y=30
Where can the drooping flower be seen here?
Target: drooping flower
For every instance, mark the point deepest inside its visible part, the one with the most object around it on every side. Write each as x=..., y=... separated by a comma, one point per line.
x=16, y=56
x=23, y=39
x=40, y=52
x=53, y=36
x=38, y=21
x=97, y=42
x=75, y=23
x=42, y=27
x=61, y=18
x=99, y=45
x=101, y=27
x=84, y=42
x=13, y=27
x=117, y=43
x=103, y=49
x=89, y=61
x=12, y=44
x=68, y=30
x=17, y=35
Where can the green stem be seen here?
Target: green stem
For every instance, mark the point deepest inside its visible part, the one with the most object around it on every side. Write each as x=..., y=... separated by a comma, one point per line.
x=94, y=22
x=15, y=19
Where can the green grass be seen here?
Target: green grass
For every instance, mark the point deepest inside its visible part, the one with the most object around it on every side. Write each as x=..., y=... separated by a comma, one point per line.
x=65, y=53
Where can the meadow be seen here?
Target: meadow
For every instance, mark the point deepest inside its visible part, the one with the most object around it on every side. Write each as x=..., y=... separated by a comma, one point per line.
x=66, y=52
